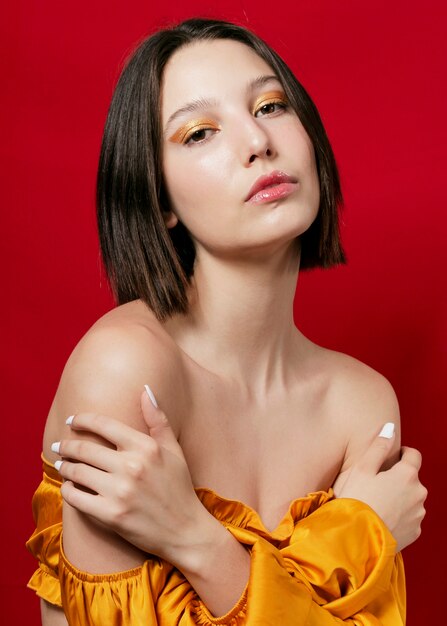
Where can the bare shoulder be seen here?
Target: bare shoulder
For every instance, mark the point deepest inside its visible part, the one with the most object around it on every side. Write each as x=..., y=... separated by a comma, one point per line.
x=107, y=371
x=106, y=374
x=360, y=383
x=361, y=401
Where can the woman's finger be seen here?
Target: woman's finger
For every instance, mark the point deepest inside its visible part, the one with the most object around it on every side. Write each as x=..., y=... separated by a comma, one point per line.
x=411, y=456
x=159, y=427
x=86, y=476
x=378, y=450
x=110, y=429
x=88, y=452
x=88, y=503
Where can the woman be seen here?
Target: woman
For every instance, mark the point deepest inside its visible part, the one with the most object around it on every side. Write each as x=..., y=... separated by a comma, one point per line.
x=216, y=183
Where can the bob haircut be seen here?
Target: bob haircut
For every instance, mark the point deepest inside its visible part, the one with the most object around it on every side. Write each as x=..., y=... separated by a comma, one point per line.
x=143, y=258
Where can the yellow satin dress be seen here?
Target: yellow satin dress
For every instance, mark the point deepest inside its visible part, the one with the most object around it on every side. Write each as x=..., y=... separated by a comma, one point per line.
x=330, y=561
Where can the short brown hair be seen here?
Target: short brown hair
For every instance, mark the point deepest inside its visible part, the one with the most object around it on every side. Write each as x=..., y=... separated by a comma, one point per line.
x=143, y=258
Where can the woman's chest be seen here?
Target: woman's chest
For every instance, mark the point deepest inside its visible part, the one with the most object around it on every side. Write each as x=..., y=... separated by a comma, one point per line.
x=264, y=456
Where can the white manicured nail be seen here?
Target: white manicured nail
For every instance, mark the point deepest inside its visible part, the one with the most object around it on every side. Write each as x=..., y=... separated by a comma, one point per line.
x=55, y=447
x=387, y=431
x=151, y=395
x=69, y=420
x=57, y=465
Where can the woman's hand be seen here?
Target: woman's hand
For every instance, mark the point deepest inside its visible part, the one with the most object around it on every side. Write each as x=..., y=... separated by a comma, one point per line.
x=142, y=489
x=396, y=495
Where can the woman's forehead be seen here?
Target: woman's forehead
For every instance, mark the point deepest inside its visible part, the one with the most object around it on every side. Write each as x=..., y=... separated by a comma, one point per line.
x=209, y=69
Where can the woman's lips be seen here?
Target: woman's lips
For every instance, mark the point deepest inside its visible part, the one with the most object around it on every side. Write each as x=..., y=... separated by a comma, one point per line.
x=273, y=186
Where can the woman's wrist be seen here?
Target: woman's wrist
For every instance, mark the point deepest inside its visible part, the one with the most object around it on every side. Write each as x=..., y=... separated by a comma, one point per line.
x=200, y=541
x=216, y=565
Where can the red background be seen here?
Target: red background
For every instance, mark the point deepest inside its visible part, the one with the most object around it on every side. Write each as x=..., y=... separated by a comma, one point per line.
x=375, y=71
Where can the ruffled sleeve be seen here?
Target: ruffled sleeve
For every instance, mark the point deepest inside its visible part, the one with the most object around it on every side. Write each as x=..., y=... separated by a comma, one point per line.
x=45, y=540
x=346, y=557
x=335, y=565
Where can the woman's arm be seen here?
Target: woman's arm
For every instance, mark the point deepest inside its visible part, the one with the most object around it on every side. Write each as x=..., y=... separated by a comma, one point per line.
x=143, y=491
x=106, y=373
x=52, y=615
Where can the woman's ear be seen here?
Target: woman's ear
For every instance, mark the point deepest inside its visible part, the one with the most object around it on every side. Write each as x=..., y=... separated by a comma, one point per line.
x=170, y=219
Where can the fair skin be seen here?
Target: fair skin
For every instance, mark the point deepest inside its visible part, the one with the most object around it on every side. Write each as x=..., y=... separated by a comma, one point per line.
x=260, y=414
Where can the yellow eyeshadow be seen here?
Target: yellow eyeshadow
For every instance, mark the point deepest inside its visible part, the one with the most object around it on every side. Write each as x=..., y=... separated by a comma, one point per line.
x=268, y=98
x=191, y=127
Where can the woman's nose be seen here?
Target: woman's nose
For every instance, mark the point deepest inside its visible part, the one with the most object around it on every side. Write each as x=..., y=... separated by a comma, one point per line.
x=258, y=144
x=264, y=152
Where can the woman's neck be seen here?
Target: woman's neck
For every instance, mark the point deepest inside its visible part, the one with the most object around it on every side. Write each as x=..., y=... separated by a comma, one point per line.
x=240, y=322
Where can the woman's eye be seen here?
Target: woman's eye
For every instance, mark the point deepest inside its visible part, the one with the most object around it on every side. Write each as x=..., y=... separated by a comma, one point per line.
x=198, y=136
x=270, y=107
x=194, y=132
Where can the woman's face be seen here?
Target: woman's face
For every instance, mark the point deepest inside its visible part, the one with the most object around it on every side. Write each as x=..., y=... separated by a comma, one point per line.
x=227, y=127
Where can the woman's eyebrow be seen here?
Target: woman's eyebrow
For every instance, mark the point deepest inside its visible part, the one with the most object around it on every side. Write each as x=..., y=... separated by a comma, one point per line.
x=204, y=103
x=260, y=81
x=190, y=107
